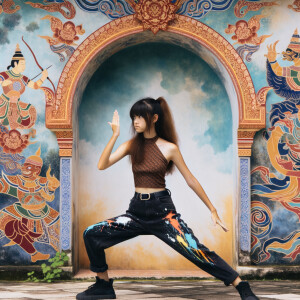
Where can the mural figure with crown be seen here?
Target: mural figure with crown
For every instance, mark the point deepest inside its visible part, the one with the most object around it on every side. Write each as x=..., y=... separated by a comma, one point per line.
x=282, y=145
x=30, y=219
x=285, y=80
x=14, y=112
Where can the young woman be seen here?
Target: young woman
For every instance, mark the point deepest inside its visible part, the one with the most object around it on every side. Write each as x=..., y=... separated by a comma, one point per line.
x=153, y=152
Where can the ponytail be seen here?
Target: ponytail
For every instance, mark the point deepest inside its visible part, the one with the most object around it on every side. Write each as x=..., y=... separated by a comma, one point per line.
x=160, y=99
x=167, y=128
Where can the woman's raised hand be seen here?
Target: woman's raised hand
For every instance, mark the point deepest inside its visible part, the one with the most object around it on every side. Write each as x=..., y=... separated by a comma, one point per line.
x=115, y=125
x=216, y=220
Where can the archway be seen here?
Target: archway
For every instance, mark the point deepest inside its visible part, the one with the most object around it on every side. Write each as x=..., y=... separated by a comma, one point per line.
x=126, y=31
x=249, y=115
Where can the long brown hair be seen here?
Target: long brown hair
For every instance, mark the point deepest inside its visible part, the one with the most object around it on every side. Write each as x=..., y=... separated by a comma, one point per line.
x=164, y=127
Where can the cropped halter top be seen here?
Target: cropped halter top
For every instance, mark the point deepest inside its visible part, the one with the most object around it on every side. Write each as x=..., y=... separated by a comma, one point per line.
x=151, y=171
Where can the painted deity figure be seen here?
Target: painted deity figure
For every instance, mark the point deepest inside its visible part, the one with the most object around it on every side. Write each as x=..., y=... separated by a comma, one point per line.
x=30, y=219
x=283, y=151
x=14, y=112
x=285, y=80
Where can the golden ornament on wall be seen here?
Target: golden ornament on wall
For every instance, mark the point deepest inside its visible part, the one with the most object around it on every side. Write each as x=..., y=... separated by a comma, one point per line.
x=154, y=14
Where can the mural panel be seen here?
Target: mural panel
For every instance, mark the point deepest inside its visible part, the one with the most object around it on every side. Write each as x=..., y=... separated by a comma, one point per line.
x=275, y=180
x=28, y=223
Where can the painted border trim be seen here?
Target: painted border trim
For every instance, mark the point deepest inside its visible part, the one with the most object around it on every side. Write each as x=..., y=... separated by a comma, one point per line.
x=65, y=203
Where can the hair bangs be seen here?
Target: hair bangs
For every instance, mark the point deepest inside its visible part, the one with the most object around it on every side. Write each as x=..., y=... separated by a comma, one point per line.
x=140, y=108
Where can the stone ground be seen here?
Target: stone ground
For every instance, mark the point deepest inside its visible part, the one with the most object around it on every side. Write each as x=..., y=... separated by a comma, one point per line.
x=153, y=289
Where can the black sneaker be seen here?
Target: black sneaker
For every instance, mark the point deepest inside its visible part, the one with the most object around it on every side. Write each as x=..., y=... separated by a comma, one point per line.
x=101, y=289
x=245, y=291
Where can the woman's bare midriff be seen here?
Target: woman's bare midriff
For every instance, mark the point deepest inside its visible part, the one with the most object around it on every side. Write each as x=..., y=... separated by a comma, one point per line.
x=148, y=190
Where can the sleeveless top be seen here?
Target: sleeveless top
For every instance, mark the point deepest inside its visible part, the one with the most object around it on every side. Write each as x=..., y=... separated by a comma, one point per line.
x=151, y=172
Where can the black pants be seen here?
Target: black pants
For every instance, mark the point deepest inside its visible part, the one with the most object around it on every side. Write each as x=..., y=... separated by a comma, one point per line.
x=155, y=216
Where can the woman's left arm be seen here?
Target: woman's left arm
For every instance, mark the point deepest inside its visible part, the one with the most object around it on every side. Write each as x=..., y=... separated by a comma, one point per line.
x=193, y=183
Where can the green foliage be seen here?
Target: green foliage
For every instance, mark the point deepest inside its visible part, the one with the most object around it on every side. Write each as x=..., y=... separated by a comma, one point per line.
x=52, y=271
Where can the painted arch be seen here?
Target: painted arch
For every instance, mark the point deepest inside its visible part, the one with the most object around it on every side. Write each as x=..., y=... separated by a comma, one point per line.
x=127, y=31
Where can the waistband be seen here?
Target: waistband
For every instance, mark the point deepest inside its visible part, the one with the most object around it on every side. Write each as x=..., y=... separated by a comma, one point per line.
x=148, y=196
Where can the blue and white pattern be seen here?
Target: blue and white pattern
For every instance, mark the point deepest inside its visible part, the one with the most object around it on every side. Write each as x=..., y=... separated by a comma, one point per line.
x=65, y=204
x=60, y=49
x=242, y=51
x=245, y=234
x=197, y=9
x=113, y=9
x=119, y=8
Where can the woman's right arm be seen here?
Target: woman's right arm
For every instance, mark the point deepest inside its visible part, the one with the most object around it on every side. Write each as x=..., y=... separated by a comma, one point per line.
x=107, y=159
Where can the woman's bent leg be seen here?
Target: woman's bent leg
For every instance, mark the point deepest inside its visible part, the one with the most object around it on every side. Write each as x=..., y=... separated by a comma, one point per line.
x=107, y=233
x=175, y=232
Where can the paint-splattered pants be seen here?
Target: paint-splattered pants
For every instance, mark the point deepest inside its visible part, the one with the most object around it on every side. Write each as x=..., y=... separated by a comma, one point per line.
x=155, y=216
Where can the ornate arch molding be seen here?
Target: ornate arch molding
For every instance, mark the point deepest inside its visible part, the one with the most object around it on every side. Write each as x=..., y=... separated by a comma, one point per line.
x=85, y=61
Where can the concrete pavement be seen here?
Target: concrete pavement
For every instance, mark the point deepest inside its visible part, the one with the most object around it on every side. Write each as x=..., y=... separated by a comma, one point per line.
x=152, y=289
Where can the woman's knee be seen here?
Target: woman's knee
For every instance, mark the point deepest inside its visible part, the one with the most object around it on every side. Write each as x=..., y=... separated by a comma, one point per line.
x=92, y=235
x=88, y=231
x=85, y=233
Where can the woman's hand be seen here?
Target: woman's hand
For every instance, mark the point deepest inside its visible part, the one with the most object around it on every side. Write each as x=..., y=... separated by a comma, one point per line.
x=216, y=220
x=115, y=125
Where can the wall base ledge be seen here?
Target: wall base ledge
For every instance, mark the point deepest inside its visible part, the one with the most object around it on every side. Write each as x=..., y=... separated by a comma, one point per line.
x=20, y=272
x=269, y=272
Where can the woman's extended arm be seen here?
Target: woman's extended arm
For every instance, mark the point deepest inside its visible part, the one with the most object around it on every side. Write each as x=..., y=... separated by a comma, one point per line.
x=194, y=184
x=107, y=159
x=104, y=158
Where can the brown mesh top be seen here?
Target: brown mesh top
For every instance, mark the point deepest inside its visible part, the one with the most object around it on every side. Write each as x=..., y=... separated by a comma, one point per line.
x=151, y=172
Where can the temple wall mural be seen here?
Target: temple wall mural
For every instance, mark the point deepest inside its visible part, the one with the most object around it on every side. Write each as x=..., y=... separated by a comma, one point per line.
x=39, y=44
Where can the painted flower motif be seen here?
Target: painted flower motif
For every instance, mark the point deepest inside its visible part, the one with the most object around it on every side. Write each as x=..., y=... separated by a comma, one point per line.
x=155, y=14
x=68, y=33
x=65, y=33
x=246, y=32
x=13, y=142
x=243, y=32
